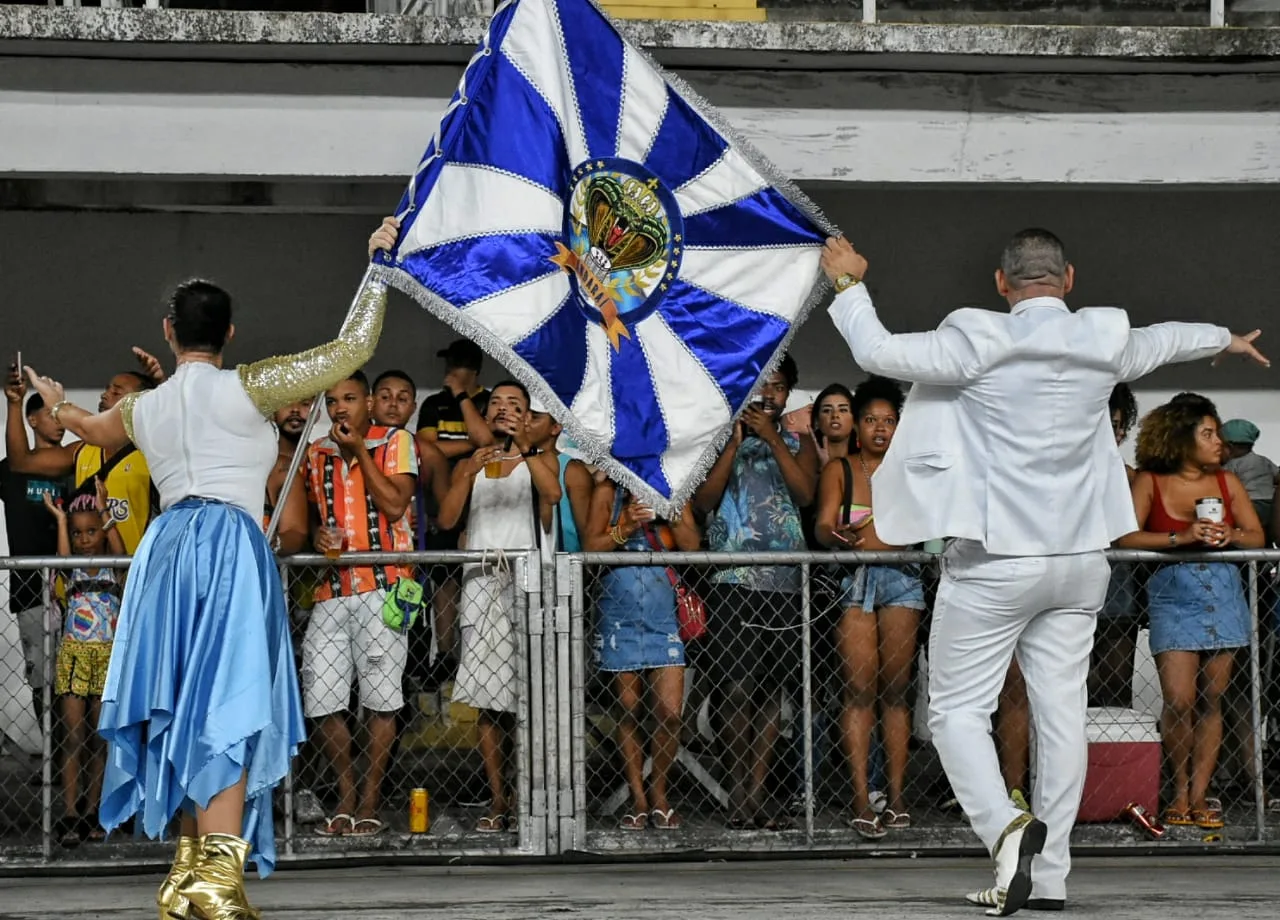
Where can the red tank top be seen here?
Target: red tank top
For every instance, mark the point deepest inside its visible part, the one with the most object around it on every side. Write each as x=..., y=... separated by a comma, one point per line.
x=1160, y=521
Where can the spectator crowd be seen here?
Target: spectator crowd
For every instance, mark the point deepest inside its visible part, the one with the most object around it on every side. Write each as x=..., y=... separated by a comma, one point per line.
x=480, y=468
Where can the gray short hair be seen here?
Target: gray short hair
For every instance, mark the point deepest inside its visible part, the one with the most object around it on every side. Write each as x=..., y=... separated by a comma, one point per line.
x=1034, y=256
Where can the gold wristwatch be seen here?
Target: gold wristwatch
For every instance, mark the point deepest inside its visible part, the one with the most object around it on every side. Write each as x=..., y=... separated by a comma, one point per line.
x=846, y=281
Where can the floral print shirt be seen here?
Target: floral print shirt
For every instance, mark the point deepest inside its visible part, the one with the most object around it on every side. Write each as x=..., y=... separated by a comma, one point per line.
x=758, y=515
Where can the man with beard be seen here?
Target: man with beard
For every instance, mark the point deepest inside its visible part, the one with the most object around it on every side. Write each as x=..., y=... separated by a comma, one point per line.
x=753, y=496
x=291, y=535
x=124, y=472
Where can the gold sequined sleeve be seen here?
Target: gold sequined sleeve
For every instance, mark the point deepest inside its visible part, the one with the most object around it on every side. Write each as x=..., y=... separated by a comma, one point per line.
x=274, y=383
x=125, y=405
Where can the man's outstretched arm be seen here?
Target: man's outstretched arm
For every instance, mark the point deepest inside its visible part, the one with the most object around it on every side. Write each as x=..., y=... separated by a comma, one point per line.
x=1150, y=347
x=945, y=356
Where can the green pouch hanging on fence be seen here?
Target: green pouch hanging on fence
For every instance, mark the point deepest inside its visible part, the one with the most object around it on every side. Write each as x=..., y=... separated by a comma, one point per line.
x=402, y=605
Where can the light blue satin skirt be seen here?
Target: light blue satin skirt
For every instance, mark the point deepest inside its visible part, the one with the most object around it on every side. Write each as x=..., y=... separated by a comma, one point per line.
x=202, y=687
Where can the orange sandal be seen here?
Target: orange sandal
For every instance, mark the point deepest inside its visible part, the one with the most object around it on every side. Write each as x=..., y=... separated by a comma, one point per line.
x=1175, y=818
x=1209, y=819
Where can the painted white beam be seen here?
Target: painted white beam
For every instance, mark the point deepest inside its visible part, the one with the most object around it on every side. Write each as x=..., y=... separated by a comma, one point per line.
x=835, y=127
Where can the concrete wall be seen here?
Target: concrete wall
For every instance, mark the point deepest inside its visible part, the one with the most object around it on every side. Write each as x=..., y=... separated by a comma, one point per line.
x=80, y=288
x=72, y=117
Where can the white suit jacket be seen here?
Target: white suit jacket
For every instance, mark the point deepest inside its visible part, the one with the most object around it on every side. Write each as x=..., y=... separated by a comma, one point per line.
x=1006, y=438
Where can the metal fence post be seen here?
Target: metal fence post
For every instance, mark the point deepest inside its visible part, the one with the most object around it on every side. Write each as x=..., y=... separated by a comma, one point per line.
x=1255, y=709
x=46, y=719
x=550, y=703
x=531, y=775
x=561, y=603
x=578, y=697
x=287, y=784
x=806, y=650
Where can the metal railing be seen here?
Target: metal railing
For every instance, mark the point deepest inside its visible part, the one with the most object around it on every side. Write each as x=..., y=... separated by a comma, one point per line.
x=582, y=752
x=1216, y=13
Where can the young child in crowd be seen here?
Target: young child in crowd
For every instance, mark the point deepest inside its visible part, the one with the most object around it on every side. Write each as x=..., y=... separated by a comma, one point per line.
x=91, y=604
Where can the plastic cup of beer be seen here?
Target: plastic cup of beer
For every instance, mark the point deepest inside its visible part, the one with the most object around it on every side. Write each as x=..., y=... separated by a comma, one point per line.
x=493, y=469
x=335, y=540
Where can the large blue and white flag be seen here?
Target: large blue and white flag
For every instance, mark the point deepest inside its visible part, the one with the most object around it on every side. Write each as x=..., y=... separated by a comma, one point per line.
x=597, y=229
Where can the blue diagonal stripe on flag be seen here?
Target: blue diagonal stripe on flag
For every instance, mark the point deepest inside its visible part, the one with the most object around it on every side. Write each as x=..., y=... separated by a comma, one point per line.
x=597, y=228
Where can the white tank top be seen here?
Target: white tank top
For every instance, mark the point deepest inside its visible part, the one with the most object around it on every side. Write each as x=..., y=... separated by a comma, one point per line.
x=501, y=515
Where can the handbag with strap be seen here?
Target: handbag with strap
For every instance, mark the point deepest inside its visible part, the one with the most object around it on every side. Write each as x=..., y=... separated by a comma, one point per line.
x=691, y=610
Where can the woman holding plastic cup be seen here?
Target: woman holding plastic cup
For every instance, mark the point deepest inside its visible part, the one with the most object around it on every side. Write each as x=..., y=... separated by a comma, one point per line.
x=1184, y=500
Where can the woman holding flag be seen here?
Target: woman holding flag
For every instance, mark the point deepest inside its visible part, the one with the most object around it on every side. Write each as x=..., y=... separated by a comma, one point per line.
x=201, y=710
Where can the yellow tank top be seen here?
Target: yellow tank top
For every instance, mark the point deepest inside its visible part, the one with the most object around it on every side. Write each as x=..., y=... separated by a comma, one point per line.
x=128, y=490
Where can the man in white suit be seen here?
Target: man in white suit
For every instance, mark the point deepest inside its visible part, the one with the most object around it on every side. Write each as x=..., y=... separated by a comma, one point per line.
x=1005, y=445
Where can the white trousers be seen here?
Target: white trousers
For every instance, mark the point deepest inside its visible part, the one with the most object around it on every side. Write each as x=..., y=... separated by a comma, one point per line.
x=1043, y=609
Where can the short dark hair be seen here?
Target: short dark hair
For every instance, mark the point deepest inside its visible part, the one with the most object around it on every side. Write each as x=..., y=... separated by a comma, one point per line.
x=35, y=402
x=790, y=373
x=1168, y=433
x=200, y=314
x=874, y=388
x=1124, y=402
x=515, y=385
x=1033, y=256
x=143, y=380
x=395, y=374
x=361, y=378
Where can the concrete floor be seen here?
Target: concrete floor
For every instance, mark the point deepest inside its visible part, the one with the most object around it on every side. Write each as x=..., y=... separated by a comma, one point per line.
x=1231, y=886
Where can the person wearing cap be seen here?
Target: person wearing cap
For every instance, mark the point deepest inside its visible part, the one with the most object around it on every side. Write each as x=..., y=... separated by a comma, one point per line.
x=1257, y=472
x=451, y=421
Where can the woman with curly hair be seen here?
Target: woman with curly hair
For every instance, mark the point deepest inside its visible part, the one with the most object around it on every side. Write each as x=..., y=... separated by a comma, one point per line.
x=882, y=604
x=1198, y=612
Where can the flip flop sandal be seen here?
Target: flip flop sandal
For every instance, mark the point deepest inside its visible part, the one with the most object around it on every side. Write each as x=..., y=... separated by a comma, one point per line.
x=373, y=826
x=738, y=823
x=491, y=824
x=633, y=822
x=1174, y=818
x=665, y=820
x=332, y=827
x=896, y=820
x=67, y=831
x=869, y=828
x=777, y=823
x=91, y=829
x=1208, y=819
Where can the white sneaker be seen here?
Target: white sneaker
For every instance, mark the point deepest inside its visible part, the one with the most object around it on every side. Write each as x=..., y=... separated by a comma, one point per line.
x=987, y=897
x=1021, y=842
x=879, y=801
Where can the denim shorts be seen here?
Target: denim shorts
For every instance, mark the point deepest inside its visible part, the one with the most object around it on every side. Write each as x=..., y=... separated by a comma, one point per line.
x=874, y=587
x=1123, y=602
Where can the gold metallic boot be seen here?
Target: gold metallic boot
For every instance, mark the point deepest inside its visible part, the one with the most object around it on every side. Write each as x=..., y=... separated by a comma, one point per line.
x=215, y=890
x=167, y=898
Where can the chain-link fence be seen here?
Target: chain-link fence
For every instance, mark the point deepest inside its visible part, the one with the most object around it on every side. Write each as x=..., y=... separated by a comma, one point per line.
x=413, y=744
x=544, y=709
x=798, y=720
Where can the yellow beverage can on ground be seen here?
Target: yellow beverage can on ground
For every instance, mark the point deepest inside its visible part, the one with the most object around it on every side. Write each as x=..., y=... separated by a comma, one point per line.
x=419, y=816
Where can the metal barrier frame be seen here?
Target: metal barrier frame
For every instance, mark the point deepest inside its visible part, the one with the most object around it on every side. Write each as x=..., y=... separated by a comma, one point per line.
x=572, y=589
x=551, y=752
x=535, y=722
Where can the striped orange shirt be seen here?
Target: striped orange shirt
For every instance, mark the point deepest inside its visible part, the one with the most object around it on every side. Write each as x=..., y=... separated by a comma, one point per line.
x=337, y=491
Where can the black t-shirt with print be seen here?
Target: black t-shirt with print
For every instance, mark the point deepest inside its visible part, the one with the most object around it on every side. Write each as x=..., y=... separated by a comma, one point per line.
x=31, y=529
x=442, y=413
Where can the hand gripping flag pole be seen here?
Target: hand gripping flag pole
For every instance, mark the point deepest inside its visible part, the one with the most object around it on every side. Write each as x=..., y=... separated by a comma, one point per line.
x=317, y=407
